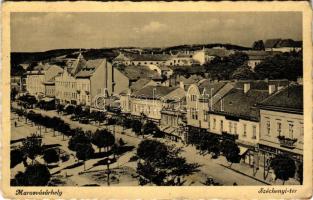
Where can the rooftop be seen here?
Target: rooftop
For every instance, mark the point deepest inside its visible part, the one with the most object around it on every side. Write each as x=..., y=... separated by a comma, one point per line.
x=140, y=84
x=89, y=68
x=239, y=104
x=289, y=98
x=136, y=72
x=153, y=92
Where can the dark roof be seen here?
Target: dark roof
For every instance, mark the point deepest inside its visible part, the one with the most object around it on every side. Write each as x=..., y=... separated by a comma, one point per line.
x=89, y=68
x=155, y=92
x=136, y=72
x=140, y=84
x=208, y=85
x=259, y=55
x=288, y=99
x=262, y=84
x=240, y=104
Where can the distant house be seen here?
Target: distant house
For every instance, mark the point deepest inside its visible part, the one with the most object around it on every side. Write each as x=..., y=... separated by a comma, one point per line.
x=256, y=57
x=125, y=76
x=206, y=55
x=36, y=78
x=141, y=59
x=283, y=45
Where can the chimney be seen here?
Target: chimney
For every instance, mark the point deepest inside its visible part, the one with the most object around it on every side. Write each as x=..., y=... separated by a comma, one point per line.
x=152, y=52
x=181, y=85
x=271, y=89
x=246, y=87
x=139, y=52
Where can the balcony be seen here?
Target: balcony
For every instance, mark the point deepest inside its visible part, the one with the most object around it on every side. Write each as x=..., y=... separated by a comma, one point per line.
x=287, y=142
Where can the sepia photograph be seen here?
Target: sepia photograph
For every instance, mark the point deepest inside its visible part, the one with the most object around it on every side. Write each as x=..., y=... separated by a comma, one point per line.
x=159, y=98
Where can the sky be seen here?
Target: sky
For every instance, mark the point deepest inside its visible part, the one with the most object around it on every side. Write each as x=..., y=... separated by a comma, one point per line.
x=34, y=32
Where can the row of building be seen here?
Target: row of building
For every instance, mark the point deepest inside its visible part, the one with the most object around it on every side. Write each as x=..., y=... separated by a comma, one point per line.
x=265, y=118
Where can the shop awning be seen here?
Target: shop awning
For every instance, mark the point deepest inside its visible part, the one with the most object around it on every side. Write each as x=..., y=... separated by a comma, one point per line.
x=47, y=99
x=243, y=150
x=169, y=130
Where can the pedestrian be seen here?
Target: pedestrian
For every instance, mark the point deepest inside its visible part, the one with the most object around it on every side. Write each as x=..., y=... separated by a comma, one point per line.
x=15, y=124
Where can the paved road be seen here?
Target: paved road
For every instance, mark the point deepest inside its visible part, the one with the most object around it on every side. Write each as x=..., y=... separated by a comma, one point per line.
x=208, y=167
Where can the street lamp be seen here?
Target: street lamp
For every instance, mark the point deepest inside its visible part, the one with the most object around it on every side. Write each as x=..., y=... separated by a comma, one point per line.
x=108, y=171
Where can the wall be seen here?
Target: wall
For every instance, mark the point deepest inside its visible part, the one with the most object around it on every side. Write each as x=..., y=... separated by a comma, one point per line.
x=275, y=117
x=192, y=106
x=65, y=88
x=151, y=108
x=121, y=82
x=98, y=82
x=83, y=91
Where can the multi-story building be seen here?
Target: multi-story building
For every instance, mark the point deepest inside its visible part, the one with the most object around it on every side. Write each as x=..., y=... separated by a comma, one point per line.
x=36, y=78
x=150, y=100
x=200, y=98
x=235, y=115
x=281, y=126
x=65, y=83
x=94, y=80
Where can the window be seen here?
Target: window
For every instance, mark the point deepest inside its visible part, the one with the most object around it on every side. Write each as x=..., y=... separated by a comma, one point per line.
x=222, y=125
x=279, y=128
x=230, y=127
x=214, y=123
x=268, y=127
x=290, y=125
x=301, y=129
x=235, y=128
x=244, y=130
x=205, y=116
x=253, y=132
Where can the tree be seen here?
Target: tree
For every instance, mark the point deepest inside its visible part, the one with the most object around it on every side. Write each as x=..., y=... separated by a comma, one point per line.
x=69, y=109
x=284, y=167
x=152, y=128
x=78, y=110
x=222, y=69
x=243, y=73
x=231, y=151
x=84, y=151
x=281, y=66
x=16, y=157
x=78, y=138
x=103, y=138
x=32, y=146
x=161, y=164
x=258, y=45
x=51, y=156
x=136, y=126
x=37, y=175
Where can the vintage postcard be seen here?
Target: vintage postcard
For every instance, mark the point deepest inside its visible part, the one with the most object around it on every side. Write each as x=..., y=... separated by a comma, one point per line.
x=156, y=100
